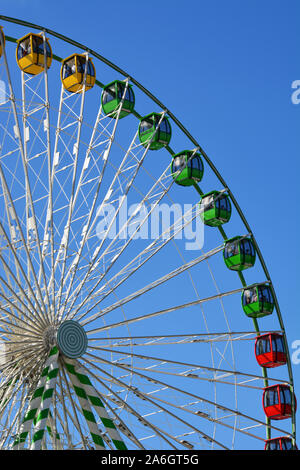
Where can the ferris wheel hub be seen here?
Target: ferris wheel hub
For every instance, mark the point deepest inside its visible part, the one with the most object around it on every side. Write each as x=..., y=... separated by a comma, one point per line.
x=71, y=339
x=49, y=337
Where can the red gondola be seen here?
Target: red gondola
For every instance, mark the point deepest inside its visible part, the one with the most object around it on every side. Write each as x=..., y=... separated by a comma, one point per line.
x=280, y=443
x=270, y=350
x=277, y=401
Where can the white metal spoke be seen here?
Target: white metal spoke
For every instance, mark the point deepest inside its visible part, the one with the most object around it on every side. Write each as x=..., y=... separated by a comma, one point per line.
x=115, y=196
x=156, y=283
x=190, y=373
x=157, y=340
x=182, y=391
x=138, y=261
x=103, y=146
x=162, y=433
x=164, y=410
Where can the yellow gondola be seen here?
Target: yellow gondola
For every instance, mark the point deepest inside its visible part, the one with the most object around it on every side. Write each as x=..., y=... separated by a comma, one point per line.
x=30, y=53
x=73, y=73
x=2, y=43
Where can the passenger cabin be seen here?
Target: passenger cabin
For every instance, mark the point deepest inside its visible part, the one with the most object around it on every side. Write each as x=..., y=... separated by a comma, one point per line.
x=215, y=208
x=77, y=72
x=239, y=253
x=277, y=402
x=280, y=443
x=187, y=168
x=115, y=94
x=270, y=350
x=33, y=53
x=257, y=300
x=155, y=131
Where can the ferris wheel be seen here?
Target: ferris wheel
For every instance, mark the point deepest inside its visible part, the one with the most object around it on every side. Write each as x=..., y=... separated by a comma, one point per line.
x=127, y=320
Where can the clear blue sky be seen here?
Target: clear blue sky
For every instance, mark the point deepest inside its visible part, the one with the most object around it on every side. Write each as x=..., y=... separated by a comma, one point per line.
x=225, y=69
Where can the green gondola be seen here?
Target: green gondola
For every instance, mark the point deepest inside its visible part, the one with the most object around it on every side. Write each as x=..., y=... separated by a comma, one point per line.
x=215, y=208
x=149, y=130
x=239, y=253
x=111, y=98
x=187, y=168
x=257, y=300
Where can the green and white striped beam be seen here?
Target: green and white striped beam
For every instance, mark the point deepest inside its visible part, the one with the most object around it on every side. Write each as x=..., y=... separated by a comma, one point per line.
x=86, y=410
x=43, y=413
x=84, y=388
x=35, y=401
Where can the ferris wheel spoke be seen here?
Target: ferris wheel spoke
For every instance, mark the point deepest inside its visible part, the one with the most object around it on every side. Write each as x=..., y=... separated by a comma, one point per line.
x=167, y=339
x=35, y=320
x=31, y=220
x=133, y=411
x=22, y=312
x=118, y=250
x=18, y=265
x=115, y=196
x=138, y=261
x=15, y=226
x=13, y=422
x=18, y=321
x=10, y=364
x=163, y=434
x=63, y=161
x=14, y=371
x=6, y=395
x=167, y=236
x=116, y=189
x=9, y=286
x=19, y=270
x=6, y=240
x=13, y=383
x=36, y=120
x=13, y=327
x=156, y=283
x=101, y=142
x=192, y=395
x=9, y=352
x=190, y=373
x=6, y=400
x=62, y=251
x=167, y=412
x=43, y=411
x=59, y=165
x=113, y=253
x=207, y=417
x=124, y=179
x=120, y=424
x=155, y=198
x=159, y=312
